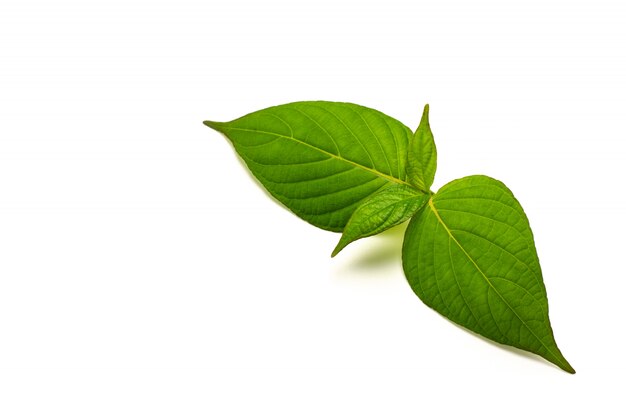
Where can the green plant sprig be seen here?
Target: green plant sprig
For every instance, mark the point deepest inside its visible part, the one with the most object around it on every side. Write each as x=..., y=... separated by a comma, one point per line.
x=468, y=251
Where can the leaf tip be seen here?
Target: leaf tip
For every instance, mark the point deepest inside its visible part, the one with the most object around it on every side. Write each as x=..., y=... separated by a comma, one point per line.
x=340, y=245
x=425, y=113
x=562, y=363
x=214, y=125
x=568, y=368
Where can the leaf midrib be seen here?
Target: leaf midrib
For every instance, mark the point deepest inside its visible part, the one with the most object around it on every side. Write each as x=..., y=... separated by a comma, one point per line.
x=445, y=226
x=340, y=158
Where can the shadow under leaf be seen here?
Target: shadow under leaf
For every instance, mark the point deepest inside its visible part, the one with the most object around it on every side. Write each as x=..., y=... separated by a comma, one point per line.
x=381, y=251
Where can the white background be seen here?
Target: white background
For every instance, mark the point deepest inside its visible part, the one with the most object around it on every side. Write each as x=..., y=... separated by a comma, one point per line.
x=144, y=272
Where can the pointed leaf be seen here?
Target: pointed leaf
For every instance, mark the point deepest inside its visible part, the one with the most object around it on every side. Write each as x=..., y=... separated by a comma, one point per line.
x=383, y=210
x=422, y=155
x=470, y=255
x=321, y=159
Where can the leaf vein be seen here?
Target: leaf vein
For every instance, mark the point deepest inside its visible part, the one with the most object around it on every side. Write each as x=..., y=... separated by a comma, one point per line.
x=547, y=348
x=380, y=145
x=340, y=158
x=349, y=130
x=321, y=127
x=503, y=249
x=456, y=280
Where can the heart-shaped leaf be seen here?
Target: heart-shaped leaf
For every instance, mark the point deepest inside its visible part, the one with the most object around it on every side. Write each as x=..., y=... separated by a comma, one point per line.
x=470, y=255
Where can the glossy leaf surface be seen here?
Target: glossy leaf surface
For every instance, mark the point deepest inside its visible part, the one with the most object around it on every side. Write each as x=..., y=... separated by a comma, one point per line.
x=383, y=210
x=321, y=159
x=468, y=252
x=422, y=155
x=470, y=255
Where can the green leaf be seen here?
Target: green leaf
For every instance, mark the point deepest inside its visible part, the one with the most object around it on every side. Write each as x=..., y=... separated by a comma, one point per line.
x=321, y=159
x=422, y=157
x=468, y=252
x=383, y=210
x=470, y=255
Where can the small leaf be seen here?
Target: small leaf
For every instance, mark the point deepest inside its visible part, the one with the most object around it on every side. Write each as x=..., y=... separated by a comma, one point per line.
x=321, y=159
x=422, y=155
x=470, y=255
x=383, y=210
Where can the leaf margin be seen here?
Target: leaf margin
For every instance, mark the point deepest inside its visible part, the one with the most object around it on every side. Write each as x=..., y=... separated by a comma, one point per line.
x=558, y=358
x=397, y=130
x=407, y=199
